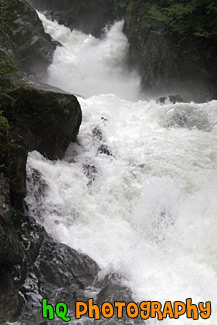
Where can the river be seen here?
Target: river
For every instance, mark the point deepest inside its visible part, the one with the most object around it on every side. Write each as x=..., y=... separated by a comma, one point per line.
x=138, y=190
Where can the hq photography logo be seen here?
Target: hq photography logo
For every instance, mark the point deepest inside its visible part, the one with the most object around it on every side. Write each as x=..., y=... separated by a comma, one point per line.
x=144, y=310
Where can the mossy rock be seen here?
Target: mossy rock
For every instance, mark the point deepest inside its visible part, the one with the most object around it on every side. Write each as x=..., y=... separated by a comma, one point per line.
x=23, y=37
x=48, y=121
x=173, y=45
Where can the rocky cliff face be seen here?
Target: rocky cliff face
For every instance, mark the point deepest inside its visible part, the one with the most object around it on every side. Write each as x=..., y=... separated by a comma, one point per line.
x=23, y=38
x=173, y=46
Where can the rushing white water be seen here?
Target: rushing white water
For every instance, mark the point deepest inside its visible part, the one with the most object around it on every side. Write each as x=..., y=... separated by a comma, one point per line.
x=148, y=211
x=92, y=66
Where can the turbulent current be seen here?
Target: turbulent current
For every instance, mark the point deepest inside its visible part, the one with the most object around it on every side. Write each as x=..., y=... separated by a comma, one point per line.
x=138, y=191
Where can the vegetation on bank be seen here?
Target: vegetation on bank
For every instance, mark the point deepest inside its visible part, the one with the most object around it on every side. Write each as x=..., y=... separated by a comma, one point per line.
x=7, y=70
x=186, y=21
x=174, y=43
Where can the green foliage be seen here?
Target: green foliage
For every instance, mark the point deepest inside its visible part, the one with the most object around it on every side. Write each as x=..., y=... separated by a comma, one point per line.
x=7, y=11
x=7, y=70
x=4, y=123
x=186, y=21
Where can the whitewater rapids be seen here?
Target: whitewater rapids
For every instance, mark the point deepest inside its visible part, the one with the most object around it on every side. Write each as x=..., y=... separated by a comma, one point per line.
x=148, y=209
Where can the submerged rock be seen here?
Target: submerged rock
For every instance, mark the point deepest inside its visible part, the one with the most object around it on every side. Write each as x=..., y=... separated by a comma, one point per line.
x=104, y=149
x=112, y=290
x=90, y=171
x=172, y=98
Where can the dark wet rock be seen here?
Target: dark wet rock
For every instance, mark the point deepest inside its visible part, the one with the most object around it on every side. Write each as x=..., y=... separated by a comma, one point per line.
x=103, y=149
x=34, y=120
x=13, y=156
x=90, y=171
x=168, y=49
x=65, y=266
x=99, y=140
x=97, y=133
x=111, y=291
x=50, y=270
x=4, y=144
x=38, y=182
x=23, y=37
x=57, y=272
x=11, y=251
x=30, y=118
x=10, y=300
x=47, y=121
x=171, y=98
x=17, y=166
x=178, y=120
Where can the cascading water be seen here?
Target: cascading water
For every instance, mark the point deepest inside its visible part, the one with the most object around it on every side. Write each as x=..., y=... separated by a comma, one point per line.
x=137, y=192
x=92, y=66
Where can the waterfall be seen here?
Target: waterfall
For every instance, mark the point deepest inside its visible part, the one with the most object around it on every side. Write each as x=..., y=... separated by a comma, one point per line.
x=137, y=192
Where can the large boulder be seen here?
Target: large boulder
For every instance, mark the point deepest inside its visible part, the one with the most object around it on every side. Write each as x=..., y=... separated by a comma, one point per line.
x=34, y=119
x=46, y=120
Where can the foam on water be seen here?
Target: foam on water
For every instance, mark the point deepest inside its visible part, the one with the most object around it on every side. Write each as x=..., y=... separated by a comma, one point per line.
x=146, y=211
x=93, y=66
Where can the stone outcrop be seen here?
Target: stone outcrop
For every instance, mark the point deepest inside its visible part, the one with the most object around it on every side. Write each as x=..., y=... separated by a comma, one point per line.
x=173, y=47
x=47, y=121
x=38, y=120
x=23, y=38
x=49, y=269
